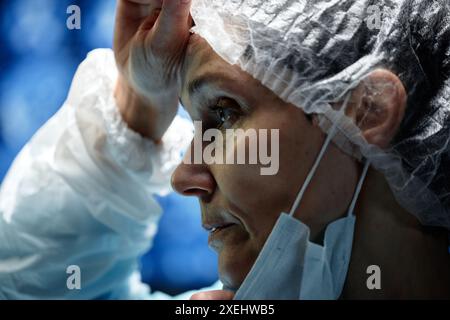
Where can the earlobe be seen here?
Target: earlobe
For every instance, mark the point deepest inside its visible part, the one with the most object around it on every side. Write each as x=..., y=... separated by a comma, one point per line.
x=380, y=107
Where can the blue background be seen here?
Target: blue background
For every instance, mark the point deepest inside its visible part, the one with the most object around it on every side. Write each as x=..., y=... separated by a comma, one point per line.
x=38, y=59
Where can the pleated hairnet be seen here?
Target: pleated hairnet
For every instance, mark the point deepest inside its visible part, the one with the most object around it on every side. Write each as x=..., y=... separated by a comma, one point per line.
x=312, y=53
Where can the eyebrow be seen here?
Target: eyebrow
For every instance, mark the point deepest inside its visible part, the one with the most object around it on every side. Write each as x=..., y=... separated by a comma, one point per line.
x=196, y=85
x=227, y=83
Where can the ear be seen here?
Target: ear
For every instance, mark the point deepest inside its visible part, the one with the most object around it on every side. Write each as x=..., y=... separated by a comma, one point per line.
x=378, y=107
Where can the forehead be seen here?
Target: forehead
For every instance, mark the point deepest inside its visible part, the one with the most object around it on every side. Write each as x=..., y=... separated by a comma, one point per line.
x=200, y=59
x=201, y=62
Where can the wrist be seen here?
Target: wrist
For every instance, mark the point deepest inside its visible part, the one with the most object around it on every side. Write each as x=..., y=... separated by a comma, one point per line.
x=149, y=119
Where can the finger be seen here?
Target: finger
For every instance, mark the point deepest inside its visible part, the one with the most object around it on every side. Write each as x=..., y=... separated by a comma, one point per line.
x=174, y=23
x=149, y=22
x=130, y=16
x=213, y=295
x=137, y=9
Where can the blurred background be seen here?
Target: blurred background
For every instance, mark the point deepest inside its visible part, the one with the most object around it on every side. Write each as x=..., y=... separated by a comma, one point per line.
x=38, y=58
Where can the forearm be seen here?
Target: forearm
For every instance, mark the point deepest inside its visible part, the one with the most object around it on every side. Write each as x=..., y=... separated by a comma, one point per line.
x=81, y=192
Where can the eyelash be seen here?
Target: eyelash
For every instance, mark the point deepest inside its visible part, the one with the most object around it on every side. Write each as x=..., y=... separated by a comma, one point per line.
x=218, y=116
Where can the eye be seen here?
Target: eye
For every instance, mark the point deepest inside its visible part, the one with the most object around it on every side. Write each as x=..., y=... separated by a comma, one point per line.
x=224, y=113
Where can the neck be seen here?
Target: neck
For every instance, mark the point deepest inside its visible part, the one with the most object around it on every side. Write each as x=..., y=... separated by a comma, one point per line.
x=413, y=260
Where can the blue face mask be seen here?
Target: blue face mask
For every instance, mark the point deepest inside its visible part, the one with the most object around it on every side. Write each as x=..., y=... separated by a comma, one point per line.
x=290, y=267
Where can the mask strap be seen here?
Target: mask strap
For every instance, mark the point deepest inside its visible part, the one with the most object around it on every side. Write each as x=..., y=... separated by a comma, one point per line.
x=319, y=158
x=358, y=188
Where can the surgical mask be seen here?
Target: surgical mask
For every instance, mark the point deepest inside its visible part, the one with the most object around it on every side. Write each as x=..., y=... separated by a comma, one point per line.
x=291, y=267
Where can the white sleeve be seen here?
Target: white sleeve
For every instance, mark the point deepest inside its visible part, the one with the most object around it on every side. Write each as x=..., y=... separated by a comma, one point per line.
x=80, y=193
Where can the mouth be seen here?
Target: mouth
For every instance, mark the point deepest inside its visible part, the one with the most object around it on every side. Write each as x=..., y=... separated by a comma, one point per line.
x=219, y=229
x=221, y=225
x=215, y=228
x=219, y=235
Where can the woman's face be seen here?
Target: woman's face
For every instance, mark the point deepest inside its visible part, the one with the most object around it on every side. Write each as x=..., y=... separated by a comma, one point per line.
x=239, y=205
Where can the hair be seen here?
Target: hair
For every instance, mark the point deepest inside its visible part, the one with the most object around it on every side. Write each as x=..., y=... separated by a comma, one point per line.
x=423, y=137
x=416, y=47
x=314, y=51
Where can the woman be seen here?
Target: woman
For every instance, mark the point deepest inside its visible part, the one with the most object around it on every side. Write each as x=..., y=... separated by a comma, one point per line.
x=395, y=81
x=342, y=96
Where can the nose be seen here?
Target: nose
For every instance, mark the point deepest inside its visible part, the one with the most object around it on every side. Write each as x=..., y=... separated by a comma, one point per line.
x=193, y=180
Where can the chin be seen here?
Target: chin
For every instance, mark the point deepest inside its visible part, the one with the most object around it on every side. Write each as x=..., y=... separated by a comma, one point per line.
x=234, y=267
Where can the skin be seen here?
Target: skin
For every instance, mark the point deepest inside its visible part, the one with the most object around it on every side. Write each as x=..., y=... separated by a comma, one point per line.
x=384, y=230
x=149, y=41
x=233, y=192
x=413, y=259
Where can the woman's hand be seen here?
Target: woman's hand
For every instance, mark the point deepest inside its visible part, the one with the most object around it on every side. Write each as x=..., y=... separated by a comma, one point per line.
x=213, y=295
x=149, y=44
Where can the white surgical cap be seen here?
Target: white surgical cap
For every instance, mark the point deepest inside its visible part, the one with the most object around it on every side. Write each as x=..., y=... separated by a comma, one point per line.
x=311, y=53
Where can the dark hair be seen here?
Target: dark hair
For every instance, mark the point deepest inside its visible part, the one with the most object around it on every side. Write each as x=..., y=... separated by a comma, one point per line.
x=414, y=44
x=417, y=49
x=422, y=42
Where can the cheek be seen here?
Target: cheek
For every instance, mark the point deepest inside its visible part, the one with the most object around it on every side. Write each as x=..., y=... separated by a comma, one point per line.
x=258, y=200
x=261, y=198
x=242, y=185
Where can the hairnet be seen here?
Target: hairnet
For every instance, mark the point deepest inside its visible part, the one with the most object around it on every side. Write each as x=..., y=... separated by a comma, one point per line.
x=312, y=53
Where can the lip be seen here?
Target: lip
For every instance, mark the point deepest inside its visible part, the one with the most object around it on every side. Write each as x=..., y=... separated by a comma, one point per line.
x=218, y=234
x=214, y=224
x=218, y=224
x=221, y=227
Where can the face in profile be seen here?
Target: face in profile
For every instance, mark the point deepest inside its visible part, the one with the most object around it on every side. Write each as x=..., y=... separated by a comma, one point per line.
x=239, y=205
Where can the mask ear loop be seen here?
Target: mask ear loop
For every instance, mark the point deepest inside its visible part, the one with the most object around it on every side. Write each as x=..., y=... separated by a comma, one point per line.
x=358, y=188
x=319, y=158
